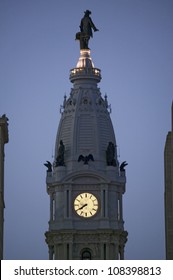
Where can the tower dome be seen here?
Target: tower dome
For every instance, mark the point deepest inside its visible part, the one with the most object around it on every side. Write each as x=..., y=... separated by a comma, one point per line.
x=85, y=127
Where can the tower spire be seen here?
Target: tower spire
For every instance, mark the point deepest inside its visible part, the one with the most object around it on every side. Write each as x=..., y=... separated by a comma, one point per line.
x=86, y=184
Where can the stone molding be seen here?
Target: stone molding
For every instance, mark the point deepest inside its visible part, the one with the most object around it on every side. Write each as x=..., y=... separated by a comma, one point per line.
x=86, y=237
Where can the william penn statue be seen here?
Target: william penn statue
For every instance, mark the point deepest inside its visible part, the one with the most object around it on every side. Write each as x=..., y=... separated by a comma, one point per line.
x=85, y=33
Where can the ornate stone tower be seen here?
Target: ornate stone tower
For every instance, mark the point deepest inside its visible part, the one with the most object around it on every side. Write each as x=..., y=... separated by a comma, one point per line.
x=3, y=141
x=168, y=162
x=86, y=184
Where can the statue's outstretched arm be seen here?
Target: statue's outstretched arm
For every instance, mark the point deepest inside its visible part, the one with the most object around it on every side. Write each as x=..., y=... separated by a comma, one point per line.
x=93, y=25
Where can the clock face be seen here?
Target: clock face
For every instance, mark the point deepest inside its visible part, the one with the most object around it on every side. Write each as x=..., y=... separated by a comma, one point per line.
x=86, y=205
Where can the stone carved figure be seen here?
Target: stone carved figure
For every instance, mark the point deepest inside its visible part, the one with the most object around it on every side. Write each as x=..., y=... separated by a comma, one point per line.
x=110, y=154
x=85, y=33
x=60, y=156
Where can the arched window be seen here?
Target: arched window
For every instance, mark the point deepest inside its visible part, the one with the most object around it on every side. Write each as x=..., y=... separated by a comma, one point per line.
x=86, y=254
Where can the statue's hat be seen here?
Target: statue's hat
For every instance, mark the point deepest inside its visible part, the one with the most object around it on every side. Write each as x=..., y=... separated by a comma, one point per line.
x=87, y=12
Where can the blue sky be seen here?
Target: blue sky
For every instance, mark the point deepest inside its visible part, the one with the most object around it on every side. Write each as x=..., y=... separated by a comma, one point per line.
x=134, y=50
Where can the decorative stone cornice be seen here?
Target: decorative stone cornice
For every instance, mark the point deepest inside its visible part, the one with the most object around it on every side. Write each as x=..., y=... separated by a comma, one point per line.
x=77, y=237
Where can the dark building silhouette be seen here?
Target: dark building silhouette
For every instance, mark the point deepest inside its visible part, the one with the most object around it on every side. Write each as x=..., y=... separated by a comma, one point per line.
x=3, y=141
x=168, y=163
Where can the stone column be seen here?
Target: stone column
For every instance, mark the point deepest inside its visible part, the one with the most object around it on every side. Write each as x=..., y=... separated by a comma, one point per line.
x=103, y=203
x=51, y=252
x=121, y=252
x=51, y=207
x=121, y=207
x=106, y=203
x=70, y=201
x=70, y=251
x=107, y=251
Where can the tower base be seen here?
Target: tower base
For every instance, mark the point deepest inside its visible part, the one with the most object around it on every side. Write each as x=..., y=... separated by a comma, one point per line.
x=78, y=245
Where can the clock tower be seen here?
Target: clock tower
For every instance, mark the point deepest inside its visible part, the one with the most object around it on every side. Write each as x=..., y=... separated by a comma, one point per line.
x=86, y=183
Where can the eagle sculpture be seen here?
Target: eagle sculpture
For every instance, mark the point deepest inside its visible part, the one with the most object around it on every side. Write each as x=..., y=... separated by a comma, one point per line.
x=85, y=159
x=49, y=166
x=122, y=166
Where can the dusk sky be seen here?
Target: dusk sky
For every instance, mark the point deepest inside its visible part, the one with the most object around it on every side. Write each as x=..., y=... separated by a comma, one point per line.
x=134, y=50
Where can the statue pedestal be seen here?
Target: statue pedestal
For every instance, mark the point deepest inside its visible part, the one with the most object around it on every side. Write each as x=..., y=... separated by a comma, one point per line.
x=112, y=172
x=59, y=172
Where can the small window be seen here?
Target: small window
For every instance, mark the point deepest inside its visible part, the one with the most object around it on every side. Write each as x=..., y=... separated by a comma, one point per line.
x=86, y=255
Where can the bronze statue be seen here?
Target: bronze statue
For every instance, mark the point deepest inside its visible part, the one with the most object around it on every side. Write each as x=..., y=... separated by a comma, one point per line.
x=110, y=154
x=85, y=33
x=60, y=156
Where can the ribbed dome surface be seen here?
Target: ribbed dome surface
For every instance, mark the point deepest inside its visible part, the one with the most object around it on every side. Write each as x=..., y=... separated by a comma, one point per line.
x=85, y=126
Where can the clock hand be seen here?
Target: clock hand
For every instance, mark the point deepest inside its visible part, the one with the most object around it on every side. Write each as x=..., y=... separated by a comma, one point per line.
x=82, y=206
